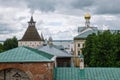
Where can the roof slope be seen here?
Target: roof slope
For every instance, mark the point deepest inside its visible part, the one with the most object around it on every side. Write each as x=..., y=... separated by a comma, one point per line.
x=87, y=74
x=80, y=29
x=25, y=54
x=85, y=33
x=54, y=51
x=31, y=33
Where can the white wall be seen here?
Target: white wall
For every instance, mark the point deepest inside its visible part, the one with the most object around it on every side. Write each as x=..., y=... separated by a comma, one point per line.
x=32, y=44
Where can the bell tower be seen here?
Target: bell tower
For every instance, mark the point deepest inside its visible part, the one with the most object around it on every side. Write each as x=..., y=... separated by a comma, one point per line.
x=31, y=37
x=31, y=23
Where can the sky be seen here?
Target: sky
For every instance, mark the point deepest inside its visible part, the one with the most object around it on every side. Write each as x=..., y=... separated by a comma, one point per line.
x=59, y=19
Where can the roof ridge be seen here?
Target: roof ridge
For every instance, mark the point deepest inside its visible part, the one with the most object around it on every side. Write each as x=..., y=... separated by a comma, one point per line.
x=46, y=55
x=84, y=31
x=10, y=49
x=25, y=54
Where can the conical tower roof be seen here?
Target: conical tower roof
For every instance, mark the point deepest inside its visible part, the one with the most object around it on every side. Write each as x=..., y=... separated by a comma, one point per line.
x=31, y=20
x=31, y=33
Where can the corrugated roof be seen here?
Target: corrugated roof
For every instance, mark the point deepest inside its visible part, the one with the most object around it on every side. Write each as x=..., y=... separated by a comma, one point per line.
x=25, y=54
x=80, y=29
x=87, y=74
x=85, y=33
x=54, y=51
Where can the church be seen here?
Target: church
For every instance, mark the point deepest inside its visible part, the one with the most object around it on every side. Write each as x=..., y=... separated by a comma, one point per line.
x=83, y=32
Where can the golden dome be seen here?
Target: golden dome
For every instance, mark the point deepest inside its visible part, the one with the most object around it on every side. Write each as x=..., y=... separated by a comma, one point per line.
x=87, y=16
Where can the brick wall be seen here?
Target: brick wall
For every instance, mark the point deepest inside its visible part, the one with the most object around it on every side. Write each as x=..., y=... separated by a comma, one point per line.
x=35, y=71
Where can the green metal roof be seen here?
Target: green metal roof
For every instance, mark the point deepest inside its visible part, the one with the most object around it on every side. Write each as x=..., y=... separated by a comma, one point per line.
x=87, y=31
x=25, y=54
x=87, y=74
x=83, y=35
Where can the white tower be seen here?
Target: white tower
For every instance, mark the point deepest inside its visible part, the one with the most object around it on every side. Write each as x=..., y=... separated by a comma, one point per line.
x=81, y=61
x=87, y=18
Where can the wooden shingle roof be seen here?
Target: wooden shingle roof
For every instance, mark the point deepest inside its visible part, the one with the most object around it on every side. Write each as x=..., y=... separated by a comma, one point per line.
x=31, y=33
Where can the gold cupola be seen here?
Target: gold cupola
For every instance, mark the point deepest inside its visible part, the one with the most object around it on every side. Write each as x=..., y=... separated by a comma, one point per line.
x=87, y=16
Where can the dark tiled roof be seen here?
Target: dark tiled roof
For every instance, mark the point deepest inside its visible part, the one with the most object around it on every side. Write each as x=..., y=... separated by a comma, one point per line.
x=31, y=33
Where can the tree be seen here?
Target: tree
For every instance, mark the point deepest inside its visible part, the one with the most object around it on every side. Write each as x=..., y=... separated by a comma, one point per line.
x=102, y=49
x=117, y=41
x=10, y=43
x=1, y=48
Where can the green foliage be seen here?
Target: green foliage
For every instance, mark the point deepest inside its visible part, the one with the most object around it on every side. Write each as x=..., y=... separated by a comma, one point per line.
x=1, y=48
x=102, y=49
x=10, y=43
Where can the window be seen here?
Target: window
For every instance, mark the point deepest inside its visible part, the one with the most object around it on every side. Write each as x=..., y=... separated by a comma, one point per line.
x=78, y=45
x=83, y=45
x=78, y=52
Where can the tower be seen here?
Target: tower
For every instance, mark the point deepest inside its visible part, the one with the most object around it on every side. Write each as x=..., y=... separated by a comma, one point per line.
x=87, y=18
x=31, y=37
x=31, y=23
x=81, y=61
x=42, y=38
x=50, y=40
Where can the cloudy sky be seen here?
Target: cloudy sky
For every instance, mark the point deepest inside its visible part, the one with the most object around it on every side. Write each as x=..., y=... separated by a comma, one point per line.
x=57, y=18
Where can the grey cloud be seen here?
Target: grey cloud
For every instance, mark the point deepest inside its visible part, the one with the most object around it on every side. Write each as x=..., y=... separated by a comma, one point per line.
x=12, y=3
x=65, y=35
x=80, y=4
x=59, y=5
x=64, y=7
x=107, y=7
x=101, y=6
x=42, y=5
x=112, y=24
x=6, y=29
